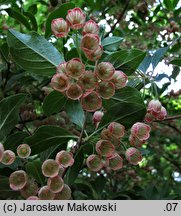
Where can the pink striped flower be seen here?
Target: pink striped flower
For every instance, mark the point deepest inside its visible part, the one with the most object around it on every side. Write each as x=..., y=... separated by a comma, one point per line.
x=61, y=68
x=8, y=157
x=89, y=43
x=119, y=79
x=141, y=131
x=64, y=158
x=97, y=116
x=59, y=27
x=115, y=162
x=60, y=82
x=75, y=68
x=91, y=101
x=154, y=107
x=116, y=129
x=106, y=89
x=17, y=180
x=162, y=114
x=105, y=71
x=90, y=27
x=76, y=18
x=105, y=148
x=74, y=91
x=149, y=118
x=134, y=141
x=96, y=55
x=133, y=155
x=87, y=81
x=94, y=163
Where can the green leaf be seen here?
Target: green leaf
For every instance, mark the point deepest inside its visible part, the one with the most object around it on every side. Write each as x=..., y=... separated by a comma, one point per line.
x=4, y=49
x=176, y=61
x=19, y=17
x=126, y=94
x=50, y=151
x=14, y=140
x=5, y=190
x=158, y=55
x=53, y=103
x=75, y=112
x=34, y=169
x=47, y=136
x=32, y=19
x=59, y=12
x=9, y=110
x=99, y=185
x=145, y=63
x=74, y=170
x=111, y=43
x=126, y=60
x=33, y=53
x=170, y=4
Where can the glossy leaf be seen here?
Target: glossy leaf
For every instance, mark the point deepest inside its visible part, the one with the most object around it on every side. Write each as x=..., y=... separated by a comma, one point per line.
x=145, y=63
x=34, y=169
x=32, y=19
x=126, y=60
x=74, y=170
x=176, y=61
x=53, y=103
x=9, y=109
x=75, y=112
x=14, y=140
x=47, y=136
x=126, y=94
x=19, y=17
x=111, y=43
x=59, y=12
x=33, y=53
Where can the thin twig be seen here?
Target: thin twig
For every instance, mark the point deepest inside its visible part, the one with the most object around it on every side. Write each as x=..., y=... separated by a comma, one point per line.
x=119, y=18
x=170, y=118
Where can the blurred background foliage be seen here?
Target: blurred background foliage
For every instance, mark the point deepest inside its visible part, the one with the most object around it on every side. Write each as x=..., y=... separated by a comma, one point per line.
x=148, y=25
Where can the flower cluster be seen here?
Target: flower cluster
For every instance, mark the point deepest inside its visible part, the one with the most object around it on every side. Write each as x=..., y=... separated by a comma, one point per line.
x=72, y=78
x=155, y=111
x=52, y=169
x=107, y=156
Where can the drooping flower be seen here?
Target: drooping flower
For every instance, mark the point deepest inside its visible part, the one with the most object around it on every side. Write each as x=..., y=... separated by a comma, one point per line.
x=59, y=27
x=60, y=82
x=94, y=163
x=141, y=131
x=90, y=43
x=64, y=158
x=95, y=55
x=75, y=68
x=154, y=107
x=119, y=79
x=106, y=89
x=90, y=27
x=17, y=180
x=105, y=148
x=105, y=71
x=133, y=155
x=115, y=162
x=74, y=91
x=76, y=18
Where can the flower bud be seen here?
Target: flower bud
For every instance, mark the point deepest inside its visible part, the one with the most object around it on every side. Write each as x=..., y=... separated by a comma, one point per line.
x=89, y=43
x=134, y=141
x=30, y=189
x=55, y=184
x=75, y=68
x=106, y=89
x=94, y=163
x=154, y=107
x=45, y=193
x=87, y=81
x=64, y=158
x=149, y=118
x=141, y=131
x=50, y=168
x=32, y=198
x=97, y=117
x=162, y=114
x=65, y=194
x=105, y=148
x=23, y=151
x=115, y=162
x=8, y=157
x=60, y=82
x=17, y=180
x=91, y=101
x=105, y=71
x=60, y=27
x=133, y=155
x=76, y=18
x=1, y=151
x=74, y=91
x=90, y=27
x=116, y=129
x=96, y=55
x=61, y=68
x=119, y=79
